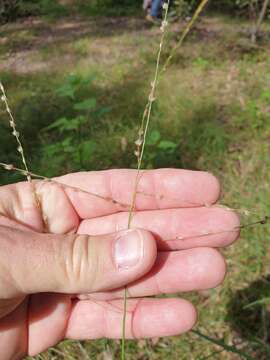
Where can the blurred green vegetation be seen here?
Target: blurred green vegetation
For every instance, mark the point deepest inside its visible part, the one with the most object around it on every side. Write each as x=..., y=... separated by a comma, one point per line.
x=78, y=88
x=13, y=9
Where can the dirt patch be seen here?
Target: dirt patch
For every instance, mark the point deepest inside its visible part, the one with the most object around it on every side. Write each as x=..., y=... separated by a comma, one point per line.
x=66, y=30
x=102, y=39
x=22, y=53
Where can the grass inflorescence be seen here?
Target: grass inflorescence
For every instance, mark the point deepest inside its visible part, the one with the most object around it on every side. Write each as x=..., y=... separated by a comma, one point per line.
x=15, y=133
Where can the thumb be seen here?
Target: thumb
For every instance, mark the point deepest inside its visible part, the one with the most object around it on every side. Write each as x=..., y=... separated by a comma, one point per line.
x=32, y=263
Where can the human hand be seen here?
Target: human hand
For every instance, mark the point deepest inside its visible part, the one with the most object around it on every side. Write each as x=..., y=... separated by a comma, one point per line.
x=56, y=282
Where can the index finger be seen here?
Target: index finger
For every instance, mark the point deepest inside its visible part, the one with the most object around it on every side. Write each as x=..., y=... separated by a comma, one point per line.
x=111, y=191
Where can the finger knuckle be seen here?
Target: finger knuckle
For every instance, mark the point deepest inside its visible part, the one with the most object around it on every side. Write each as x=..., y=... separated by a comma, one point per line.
x=81, y=264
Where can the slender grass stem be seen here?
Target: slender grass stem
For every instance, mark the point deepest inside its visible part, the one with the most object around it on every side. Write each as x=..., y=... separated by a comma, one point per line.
x=11, y=167
x=147, y=115
x=141, y=142
x=15, y=133
x=123, y=342
x=20, y=149
x=140, y=150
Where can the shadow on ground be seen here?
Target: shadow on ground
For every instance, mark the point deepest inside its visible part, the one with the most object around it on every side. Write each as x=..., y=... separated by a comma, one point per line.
x=200, y=135
x=71, y=29
x=204, y=138
x=249, y=316
x=39, y=106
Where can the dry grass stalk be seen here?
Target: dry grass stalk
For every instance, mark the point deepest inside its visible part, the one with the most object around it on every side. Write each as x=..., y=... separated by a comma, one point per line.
x=15, y=133
x=11, y=167
x=20, y=150
x=142, y=134
x=140, y=144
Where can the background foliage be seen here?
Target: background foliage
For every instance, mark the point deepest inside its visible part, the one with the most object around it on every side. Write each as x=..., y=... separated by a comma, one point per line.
x=12, y=9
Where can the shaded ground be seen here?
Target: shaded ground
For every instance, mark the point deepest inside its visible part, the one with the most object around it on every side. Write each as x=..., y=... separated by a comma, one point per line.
x=23, y=41
x=24, y=45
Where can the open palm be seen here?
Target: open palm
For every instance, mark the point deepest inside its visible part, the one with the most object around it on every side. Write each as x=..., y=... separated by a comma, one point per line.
x=57, y=282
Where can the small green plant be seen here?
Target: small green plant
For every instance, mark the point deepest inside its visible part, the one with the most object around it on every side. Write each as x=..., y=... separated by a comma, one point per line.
x=72, y=143
x=13, y=9
x=159, y=151
x=201, y=63
x=257, y=108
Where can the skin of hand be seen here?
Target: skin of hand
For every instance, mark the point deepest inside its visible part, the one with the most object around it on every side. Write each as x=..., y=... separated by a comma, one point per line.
x=65, y=260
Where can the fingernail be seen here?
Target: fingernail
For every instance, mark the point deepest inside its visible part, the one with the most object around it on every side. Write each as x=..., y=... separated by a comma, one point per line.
x=128, y=250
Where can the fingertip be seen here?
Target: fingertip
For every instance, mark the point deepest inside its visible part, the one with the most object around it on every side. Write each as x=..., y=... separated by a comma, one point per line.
x=169, y=317
x=149, y=249
x=214, y=187
x=228, y=225
x=214, y=268
x=234, y=223
x=185, y=316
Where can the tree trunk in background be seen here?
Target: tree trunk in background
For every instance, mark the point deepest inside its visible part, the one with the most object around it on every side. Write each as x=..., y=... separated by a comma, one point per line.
x=256, y=28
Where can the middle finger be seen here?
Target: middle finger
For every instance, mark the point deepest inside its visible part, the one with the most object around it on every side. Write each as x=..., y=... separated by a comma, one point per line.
x=175, y=229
